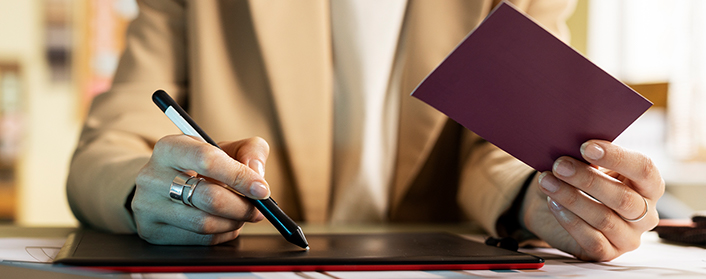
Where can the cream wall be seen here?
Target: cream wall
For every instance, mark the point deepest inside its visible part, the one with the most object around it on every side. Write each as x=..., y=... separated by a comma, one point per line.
x=51, y=119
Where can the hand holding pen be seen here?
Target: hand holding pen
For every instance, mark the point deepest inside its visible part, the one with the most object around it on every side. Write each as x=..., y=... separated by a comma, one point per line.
x=202, y=178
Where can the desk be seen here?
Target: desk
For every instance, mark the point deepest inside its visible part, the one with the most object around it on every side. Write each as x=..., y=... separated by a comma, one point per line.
x=654, y=258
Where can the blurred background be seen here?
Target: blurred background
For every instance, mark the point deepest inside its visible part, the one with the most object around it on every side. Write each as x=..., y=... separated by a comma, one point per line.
x=56, y=55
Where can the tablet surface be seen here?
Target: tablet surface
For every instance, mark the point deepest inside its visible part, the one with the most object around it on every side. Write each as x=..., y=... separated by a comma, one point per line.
x=379, y=251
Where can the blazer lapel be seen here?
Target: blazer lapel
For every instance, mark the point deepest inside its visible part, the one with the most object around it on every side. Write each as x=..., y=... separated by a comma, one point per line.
x=296, y=49
x=431, y=30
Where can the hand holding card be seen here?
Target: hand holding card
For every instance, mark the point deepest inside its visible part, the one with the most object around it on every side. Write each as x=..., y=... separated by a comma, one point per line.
x=514, y=84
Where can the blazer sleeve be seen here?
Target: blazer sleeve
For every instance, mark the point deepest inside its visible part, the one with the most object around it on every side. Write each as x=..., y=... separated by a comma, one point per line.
x=123, y=124
x=490, y=178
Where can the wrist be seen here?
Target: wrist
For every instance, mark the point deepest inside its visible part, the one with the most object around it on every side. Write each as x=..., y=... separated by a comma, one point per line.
x=511, y=223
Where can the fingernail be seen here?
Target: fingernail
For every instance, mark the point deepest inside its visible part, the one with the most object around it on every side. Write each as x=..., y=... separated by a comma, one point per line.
x=561, y=214
x=592, y=151
x=258, y=166
x=564, y=168
x=258, y=190
x=549, y=183
x=555, y=205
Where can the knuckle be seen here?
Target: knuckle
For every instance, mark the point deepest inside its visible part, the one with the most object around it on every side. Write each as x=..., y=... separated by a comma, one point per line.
x=606, y=224
x=627, y=201
x=137, y=206
x=147, y=175
x=208, y=225
x=161, y=144
x=597, y=250
x=147, y=234
x=204, y=158
x=210, y=199
x=142, y=178
x=200, y=224
x=193, y=224
x=238, y=177
x=572, y=198
x=648, y=168
x=164, y=144
x=217, y=203
x=591, y=181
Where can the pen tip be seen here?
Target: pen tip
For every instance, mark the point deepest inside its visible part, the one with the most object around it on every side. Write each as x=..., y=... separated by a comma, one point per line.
x=299, y=239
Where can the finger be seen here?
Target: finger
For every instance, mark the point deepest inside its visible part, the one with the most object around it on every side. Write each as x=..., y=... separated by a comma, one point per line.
x=593, y=244
x=163, y=234
x=633, y=165
x=217, y=200
x=194, y=220
x=187, y=153
x=594, y=213
x=611, y=192
x=252, y=152
x=149, y=211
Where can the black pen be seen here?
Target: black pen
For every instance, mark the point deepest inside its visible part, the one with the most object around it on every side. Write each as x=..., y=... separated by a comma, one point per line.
x=268, y=207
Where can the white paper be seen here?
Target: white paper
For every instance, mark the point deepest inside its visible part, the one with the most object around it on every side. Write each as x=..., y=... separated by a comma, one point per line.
x=42, y=250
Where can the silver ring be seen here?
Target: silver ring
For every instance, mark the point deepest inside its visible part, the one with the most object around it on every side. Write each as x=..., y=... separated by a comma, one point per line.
x=192, y=189
x=176, y=190
x=641, y=216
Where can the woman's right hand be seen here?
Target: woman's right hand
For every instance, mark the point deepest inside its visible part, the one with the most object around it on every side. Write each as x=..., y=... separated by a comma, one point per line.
x=218, y=212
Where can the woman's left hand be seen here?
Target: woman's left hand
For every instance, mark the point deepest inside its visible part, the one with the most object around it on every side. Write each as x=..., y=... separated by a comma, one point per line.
x=599, y=211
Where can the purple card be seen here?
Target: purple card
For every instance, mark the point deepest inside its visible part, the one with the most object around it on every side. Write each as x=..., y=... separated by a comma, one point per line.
x=522, y=89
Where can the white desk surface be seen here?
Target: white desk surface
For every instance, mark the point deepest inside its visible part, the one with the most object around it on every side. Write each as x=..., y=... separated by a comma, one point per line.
x=655, y=258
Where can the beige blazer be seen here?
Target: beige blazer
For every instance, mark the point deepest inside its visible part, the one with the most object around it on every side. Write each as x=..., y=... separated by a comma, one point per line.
x=264, y=68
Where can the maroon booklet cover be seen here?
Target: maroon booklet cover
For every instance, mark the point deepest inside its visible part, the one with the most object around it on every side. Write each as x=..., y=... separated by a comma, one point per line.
x=519, y=87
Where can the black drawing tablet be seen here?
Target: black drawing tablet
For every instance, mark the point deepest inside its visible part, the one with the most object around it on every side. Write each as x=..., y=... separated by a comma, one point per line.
x=329, y=252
